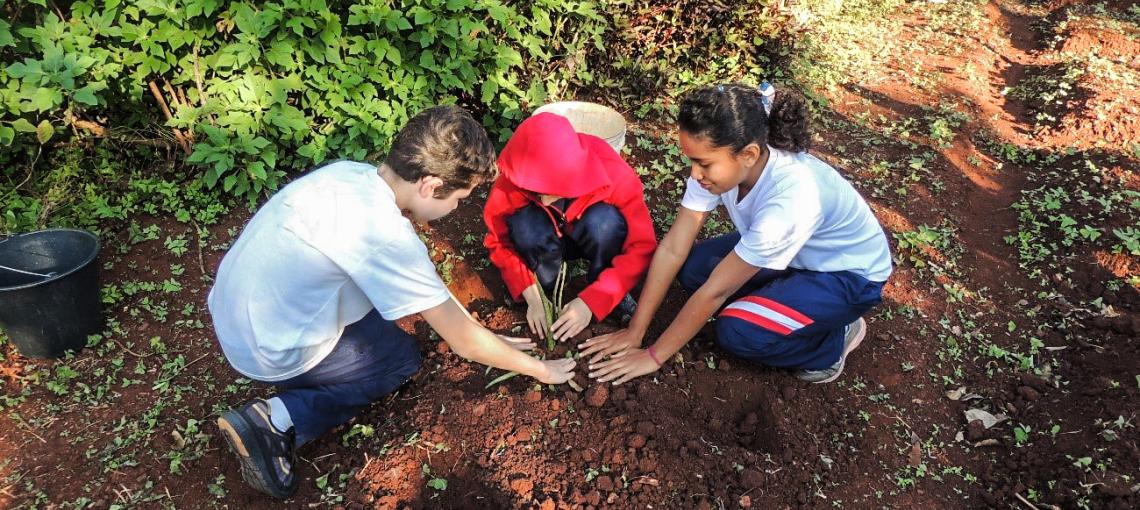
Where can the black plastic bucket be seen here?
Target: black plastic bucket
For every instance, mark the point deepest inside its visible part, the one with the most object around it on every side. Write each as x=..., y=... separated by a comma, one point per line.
x=49, y=291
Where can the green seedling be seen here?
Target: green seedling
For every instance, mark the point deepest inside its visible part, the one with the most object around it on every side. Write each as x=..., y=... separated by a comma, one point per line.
x=501, y=378
x=552, y=308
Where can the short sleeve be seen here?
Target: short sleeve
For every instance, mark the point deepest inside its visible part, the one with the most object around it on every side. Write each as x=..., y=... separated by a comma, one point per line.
x=697, y=198
x=399, y=278
x=778, y=231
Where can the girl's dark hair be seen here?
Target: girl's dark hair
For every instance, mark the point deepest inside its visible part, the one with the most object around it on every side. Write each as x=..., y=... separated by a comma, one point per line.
x=732, y=115
x=447, y=142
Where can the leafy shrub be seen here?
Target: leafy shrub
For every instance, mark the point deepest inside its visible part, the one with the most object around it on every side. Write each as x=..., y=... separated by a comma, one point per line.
x=256, y=89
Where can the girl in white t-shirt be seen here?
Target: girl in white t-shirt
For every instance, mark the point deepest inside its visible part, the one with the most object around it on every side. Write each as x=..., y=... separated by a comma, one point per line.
x=807, y=261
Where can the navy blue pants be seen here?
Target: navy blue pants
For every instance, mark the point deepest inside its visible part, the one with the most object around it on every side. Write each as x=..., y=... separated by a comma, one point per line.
x=372, y=358
x=792, y=319
x=597, y=236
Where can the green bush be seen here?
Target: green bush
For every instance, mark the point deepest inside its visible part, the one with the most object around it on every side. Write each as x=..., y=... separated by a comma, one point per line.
x=261, y=88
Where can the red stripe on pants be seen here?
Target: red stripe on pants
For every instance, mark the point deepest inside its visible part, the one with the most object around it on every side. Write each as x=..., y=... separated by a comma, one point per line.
x=759, y=320
x=777, y=307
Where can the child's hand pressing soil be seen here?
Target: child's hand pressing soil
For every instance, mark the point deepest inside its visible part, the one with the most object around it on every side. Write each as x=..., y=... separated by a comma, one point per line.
x=624, y=366
x=572, y=319
x=610, y=344
x=556, y=371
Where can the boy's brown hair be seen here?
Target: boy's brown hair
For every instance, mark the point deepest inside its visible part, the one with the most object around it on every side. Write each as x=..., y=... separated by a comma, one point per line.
x=445, y=142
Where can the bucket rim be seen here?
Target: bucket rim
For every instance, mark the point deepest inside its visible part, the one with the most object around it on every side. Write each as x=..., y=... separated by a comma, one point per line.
x=45, y=281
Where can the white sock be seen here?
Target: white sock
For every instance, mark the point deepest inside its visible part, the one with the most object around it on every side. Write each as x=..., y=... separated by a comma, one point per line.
x=279, y=414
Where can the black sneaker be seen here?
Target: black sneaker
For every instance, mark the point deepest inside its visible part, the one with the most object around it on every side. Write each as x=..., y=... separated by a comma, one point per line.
x=266, y=454
x=625, y=309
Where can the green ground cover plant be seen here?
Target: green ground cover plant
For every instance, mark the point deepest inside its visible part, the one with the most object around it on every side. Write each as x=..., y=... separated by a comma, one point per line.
x=249, y=91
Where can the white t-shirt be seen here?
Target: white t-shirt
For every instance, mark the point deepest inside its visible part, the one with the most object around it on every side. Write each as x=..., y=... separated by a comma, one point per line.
x=802, y=214
x=320, y=255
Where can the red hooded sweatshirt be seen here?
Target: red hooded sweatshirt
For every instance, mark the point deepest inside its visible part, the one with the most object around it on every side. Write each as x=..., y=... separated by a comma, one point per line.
x=546, y=156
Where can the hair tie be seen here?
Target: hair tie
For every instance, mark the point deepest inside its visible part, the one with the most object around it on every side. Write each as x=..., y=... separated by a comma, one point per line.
x=767, y=92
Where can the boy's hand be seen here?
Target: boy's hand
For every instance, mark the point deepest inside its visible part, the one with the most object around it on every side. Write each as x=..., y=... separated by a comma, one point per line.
x=624, y=366
x=522, y=344
x=557, y=371
x=610, y=344
x=573, y=318
x=535, y=313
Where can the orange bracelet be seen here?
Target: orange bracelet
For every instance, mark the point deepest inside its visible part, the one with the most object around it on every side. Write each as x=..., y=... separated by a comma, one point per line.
x=653, y=356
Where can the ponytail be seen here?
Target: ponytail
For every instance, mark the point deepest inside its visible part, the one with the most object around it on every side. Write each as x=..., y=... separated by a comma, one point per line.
x=789, y=123
x=734, y=116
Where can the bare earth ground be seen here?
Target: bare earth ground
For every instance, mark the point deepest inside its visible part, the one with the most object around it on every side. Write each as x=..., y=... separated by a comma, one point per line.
x=984, y=128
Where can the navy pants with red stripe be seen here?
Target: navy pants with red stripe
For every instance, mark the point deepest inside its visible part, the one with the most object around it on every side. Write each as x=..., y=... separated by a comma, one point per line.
x=792, y=318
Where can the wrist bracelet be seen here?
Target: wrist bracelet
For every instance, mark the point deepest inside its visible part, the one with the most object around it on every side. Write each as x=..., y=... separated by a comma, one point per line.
x=653, y=355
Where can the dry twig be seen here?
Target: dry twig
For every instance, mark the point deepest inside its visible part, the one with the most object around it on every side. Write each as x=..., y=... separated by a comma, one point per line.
x=166, y=111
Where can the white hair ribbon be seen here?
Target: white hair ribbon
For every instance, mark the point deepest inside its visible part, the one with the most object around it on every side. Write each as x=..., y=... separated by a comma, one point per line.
x=767, y=92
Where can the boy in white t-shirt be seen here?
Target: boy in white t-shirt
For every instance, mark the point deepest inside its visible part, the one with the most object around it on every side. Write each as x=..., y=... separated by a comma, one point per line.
x=807, y=261
x=306, y=297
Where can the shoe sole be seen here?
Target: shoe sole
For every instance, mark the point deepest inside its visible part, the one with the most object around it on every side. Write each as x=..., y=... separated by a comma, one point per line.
x=848, y=350
x=236, y=429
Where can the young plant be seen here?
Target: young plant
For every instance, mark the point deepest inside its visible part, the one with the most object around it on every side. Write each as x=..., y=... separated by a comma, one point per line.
x=552, y=308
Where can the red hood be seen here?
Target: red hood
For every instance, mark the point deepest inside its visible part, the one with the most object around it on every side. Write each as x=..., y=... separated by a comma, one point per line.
x=546, y=156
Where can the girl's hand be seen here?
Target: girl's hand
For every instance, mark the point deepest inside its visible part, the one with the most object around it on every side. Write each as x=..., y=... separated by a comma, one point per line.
x=517, y=343
x=610, y=344
x=624, y=366
x=573, y=318
x=556, y=371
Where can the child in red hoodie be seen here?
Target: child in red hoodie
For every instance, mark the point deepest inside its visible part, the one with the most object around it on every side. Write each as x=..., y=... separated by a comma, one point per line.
x=562, y=196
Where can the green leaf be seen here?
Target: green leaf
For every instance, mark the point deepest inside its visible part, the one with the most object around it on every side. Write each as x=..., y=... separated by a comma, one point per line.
x=257, y=170
x=439, y=484
x=423, y=16
x=281, y=53
x=44, y=131
x=6, y=38
x=86, y=95
x=23, y=69
x=7, y=135
x=44, y=99
x=23, y=126
x=228, y=182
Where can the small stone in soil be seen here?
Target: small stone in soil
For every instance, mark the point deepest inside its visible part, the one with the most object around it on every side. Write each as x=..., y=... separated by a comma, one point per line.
x=788, y=392
x=522, y=486
x=597, y=394
x=752, y=479
x=605, y=483
x=1028, y=393
x=589, y=455
x=532, y=396
x=647, y=465
x=594, y=498
x=976, y=431
x=646, y=428
x=636, y=441
x=619, y=394
x=745, y=501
